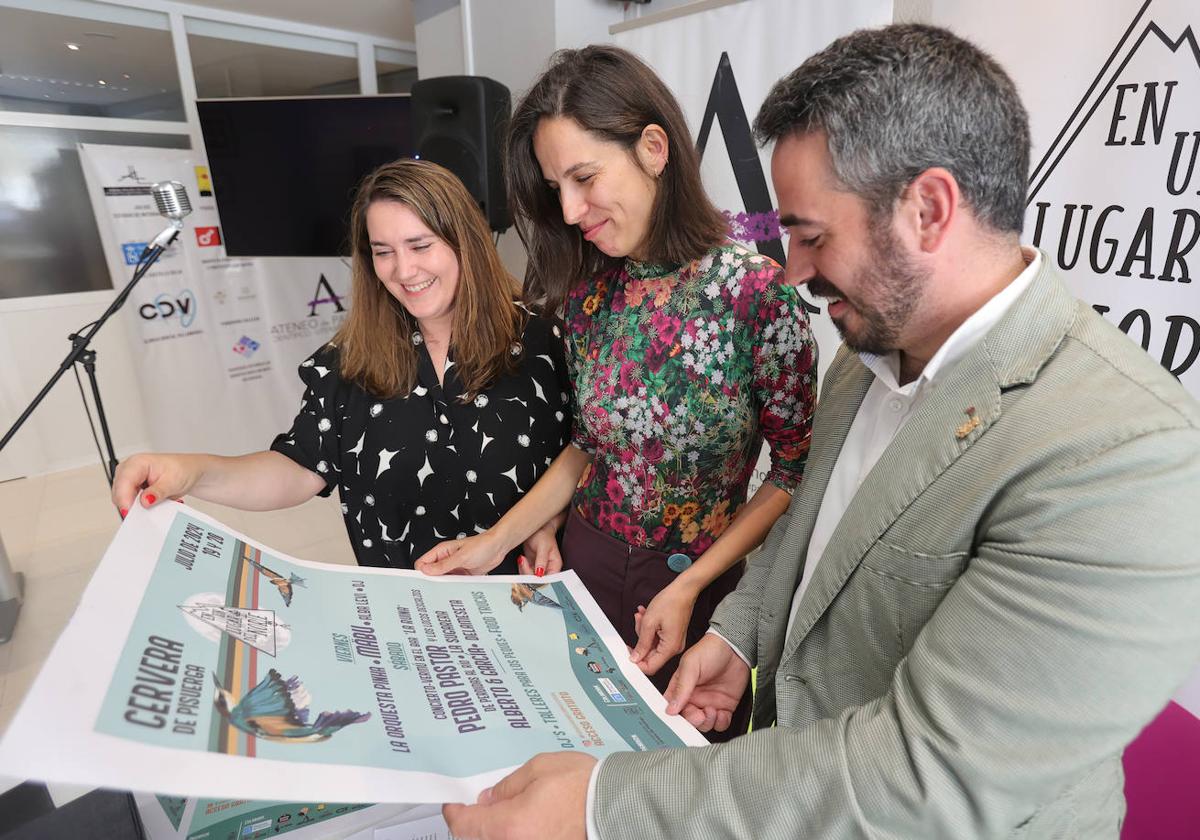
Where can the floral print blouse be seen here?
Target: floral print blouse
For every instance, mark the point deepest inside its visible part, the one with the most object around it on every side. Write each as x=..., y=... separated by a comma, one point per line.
x=680, y=372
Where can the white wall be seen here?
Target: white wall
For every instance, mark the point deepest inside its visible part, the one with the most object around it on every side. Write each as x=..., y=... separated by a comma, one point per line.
x=519, y=56
x=439, y=39
x=578, y=23
x=913, y=11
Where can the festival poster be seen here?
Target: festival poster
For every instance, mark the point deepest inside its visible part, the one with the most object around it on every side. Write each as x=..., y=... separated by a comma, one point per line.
x=432, y=827
x=200, y=663
x=240, y=819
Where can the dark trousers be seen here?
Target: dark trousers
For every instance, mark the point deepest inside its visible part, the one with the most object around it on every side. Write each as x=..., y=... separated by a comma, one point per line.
x=621, y=577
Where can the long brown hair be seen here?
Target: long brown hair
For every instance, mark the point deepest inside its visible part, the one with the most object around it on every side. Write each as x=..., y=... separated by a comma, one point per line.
x=375, y=341
x=612, y=94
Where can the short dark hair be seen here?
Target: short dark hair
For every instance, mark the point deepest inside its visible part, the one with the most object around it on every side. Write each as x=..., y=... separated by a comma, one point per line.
x=900, y=99
x=612, y=94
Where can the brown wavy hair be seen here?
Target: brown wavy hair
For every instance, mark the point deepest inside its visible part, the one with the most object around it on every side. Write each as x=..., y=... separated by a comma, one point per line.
x=611, y=93
x=375, y=341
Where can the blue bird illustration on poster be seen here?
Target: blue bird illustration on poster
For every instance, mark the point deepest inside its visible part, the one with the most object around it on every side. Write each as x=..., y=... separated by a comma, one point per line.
x=284, y=585
x=278, y=710
x=524, y=593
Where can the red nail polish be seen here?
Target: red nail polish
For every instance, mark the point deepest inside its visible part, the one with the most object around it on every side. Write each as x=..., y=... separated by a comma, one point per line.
x=124, y=512
x=539, y=571
x=151, y=498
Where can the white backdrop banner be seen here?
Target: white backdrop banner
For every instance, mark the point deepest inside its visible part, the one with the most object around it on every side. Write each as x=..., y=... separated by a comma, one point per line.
x=1113, y=193
x=217, y=339
x=721, y=64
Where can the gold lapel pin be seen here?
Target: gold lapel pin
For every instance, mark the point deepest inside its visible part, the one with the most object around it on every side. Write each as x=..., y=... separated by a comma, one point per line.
x=969, y=426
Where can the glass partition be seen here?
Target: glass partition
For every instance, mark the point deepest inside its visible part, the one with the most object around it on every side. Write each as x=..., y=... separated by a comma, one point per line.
x=395, y=70
x=229, y=60
x=48, y=235
x=117, y=62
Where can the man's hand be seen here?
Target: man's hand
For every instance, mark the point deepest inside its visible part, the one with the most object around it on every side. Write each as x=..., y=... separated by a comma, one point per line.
x=709, y=684
x=543, y=799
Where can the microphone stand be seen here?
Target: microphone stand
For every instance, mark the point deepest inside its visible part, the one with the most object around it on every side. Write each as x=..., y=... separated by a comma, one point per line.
x=12, y=585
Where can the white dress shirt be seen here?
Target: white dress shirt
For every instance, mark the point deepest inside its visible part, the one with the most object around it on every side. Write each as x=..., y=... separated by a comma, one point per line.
x=883, y=411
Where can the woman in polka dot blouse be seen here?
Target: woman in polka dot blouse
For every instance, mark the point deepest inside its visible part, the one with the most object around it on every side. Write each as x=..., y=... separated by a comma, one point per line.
x=437, y=405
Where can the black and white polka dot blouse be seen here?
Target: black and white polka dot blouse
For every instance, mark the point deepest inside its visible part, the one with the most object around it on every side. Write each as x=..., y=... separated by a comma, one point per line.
x=413, y=471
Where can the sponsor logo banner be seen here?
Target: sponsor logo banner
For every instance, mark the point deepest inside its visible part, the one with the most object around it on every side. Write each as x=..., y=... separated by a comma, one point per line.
x=208, y=237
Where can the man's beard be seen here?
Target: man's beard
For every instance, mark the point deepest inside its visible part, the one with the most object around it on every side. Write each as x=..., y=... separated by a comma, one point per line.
x=895, y=285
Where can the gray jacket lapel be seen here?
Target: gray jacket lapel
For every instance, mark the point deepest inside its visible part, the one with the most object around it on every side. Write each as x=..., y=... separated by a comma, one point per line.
x=845, y=384
x=933, y=438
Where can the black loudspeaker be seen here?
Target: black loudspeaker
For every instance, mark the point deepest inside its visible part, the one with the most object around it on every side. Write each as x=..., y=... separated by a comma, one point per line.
x=459, y=122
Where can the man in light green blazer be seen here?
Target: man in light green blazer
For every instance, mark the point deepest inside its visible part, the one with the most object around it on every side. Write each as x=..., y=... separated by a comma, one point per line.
x=989, y=579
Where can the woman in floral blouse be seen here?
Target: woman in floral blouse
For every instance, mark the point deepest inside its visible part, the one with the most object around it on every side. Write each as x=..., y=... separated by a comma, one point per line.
x=686, y=350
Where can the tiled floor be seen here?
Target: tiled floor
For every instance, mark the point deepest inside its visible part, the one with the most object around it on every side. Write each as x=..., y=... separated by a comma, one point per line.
x=56, y=527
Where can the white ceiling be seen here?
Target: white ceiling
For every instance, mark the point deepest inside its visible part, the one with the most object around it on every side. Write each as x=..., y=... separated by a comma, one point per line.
x=382, y=18
x=137, y=64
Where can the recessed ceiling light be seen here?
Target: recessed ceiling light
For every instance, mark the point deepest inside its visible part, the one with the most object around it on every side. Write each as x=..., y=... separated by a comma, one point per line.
x=101, y=81
x=71, y=46
x=126, y=76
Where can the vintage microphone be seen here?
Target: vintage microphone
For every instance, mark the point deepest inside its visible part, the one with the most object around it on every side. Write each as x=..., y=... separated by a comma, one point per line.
x=172, y=201
x=171, y=198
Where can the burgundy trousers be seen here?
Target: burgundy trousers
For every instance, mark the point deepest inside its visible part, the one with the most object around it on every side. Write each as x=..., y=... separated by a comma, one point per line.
x=621, y=577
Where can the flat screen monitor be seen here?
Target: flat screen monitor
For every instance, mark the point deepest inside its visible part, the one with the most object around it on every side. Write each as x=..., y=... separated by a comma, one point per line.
x=284, y=170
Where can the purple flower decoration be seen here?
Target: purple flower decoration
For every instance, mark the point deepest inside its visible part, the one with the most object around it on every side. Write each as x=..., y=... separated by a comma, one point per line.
x=753, y=227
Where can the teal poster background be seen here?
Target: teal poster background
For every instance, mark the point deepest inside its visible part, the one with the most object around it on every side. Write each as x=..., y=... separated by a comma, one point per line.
x=235, y=651
x=232, y=819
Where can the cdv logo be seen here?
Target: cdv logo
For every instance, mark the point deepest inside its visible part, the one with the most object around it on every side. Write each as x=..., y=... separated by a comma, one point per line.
x=166, y=307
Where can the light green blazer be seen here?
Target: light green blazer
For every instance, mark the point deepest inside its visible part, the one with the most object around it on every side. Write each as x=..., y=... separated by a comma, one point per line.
x=999, y=612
